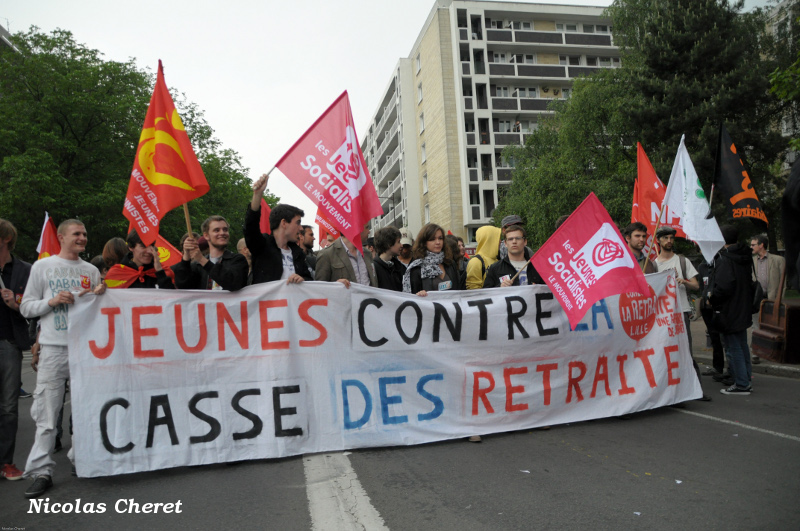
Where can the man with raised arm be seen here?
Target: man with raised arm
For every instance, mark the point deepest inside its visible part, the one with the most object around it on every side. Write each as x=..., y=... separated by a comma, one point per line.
x=52, y=288
x=274, y=256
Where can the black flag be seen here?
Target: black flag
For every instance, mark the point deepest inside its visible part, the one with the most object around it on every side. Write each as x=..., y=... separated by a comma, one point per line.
x=732, y=180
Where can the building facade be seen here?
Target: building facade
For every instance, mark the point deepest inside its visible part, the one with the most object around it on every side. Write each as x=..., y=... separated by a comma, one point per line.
x=479, y=78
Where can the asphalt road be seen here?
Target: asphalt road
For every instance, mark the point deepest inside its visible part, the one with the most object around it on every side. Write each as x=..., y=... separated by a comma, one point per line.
x=733, y=463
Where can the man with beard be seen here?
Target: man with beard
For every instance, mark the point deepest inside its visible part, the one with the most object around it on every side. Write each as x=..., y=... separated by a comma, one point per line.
x=221, y=269
x=405, y=251
x=140, y=268
x=636, y=236
x=685, y=276
x=306, y=242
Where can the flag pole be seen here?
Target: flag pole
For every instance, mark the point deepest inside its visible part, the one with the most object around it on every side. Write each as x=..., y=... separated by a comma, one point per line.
x=658, y=222
x=188, y=220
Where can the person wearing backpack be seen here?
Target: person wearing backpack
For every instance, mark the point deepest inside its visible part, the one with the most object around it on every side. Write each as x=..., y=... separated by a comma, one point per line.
x=686, y=277
x=488, y=240
x=731, y=296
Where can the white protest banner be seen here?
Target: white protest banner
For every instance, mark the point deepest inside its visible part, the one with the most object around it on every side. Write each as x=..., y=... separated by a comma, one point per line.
x=164, y=378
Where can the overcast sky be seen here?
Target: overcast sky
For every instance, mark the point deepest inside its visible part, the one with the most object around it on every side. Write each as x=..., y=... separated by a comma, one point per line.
x=262, y=70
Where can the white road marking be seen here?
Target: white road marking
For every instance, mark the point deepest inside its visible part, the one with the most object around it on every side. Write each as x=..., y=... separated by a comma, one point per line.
x=739, y=424
x=336, y=500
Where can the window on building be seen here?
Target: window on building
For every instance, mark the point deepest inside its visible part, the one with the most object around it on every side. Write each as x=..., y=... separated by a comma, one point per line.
x=425, y=183
x=530, y=59
x=422, y=154
x=588, y=28
x=522, y=25
x=566, y=27
x=502, y=92
x=421, y=122
x=571, y=60
x=601, y=28
x=566, y=92
x=427, y=213
x=591, y=61
x=604, y=61
x=499, y=57
x=504, y=126
x=419, y=63
x=419, y=93
x=615, y=61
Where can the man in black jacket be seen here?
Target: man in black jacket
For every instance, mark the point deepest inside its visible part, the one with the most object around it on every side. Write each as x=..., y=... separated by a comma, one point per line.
x=275, y=256
x=732, y=299
x=388, y=269
x=221, y=269
x=501, y=272
x=14, y=338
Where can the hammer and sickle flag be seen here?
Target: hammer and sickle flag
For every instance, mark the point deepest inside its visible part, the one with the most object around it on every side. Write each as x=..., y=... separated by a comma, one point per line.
x=166, y=173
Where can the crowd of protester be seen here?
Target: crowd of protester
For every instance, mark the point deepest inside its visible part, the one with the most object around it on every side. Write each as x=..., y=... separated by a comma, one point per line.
x=434, y=261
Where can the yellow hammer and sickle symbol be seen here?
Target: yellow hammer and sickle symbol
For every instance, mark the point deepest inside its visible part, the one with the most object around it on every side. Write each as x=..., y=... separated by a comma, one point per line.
x=152, y=137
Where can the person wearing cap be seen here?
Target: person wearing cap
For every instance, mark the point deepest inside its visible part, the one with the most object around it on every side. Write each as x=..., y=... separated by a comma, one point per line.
x=405, y=252
x=686, y=276
x=507, y=222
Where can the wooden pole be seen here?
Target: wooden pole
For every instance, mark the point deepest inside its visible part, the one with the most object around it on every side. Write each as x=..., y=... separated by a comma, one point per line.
x=658, y=223
x=188, y=220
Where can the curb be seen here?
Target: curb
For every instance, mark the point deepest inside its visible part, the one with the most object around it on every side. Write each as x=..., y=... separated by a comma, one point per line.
x=703, y=356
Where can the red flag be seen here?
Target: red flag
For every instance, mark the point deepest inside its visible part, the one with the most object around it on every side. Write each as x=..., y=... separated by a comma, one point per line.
x=264, y=222
x=328, y=166
x=168, y=255
x=587, y=259
x=325, y=227
x=48, y=241
x=166, y=173
x=648, y=195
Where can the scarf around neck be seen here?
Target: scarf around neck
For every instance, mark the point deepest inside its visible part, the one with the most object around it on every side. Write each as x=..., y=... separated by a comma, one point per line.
x=430, y=268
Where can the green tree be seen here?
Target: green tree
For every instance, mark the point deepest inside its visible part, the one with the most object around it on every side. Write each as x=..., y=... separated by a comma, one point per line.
x=696, y=64
x=70, y=123
x=586, y=146
x=687, y=66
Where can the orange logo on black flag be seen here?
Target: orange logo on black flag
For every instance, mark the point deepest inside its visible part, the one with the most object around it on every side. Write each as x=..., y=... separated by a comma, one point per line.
x=732, y=180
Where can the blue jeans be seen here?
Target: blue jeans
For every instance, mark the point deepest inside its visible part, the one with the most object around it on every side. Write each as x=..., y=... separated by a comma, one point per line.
x=738, y=354
x=10, y=375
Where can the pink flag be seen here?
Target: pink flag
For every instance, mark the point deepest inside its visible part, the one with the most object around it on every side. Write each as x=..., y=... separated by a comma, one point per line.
x=586, y=260
x=328, y=166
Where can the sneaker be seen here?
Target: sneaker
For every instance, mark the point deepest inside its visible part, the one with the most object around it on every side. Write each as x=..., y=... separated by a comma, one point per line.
x=733, y=390
x=10, y=472
x=711, y=371
x=475, y=439
x=40, y=485
x=24, y=394
x=704, y=398
x=721, y=377
x=755, y=360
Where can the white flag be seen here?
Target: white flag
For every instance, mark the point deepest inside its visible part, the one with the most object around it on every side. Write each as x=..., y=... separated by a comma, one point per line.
x=686, y=199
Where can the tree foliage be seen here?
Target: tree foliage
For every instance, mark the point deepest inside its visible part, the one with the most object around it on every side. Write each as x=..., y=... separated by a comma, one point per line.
x=584, y=147
x=687, y=66
x=70, y=122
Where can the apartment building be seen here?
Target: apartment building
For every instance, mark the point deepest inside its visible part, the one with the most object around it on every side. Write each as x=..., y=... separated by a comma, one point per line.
x=479, y=77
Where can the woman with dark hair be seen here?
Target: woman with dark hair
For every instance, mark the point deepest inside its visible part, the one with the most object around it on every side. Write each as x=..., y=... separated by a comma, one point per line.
x=114, y=251
x=432, y=267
